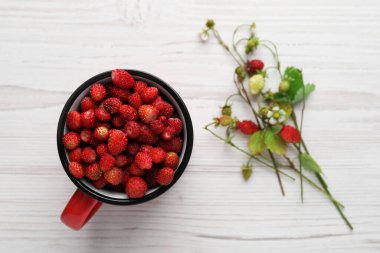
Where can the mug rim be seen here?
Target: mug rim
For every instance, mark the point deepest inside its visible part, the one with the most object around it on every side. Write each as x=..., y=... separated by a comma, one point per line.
x=161, y=189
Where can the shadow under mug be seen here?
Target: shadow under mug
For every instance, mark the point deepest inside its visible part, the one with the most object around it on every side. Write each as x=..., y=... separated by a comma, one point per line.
x=87, y=199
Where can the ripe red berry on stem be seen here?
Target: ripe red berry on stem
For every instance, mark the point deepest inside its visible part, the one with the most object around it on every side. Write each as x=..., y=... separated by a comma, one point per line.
x=256, y=65
x=290, y=134
x=247, y=127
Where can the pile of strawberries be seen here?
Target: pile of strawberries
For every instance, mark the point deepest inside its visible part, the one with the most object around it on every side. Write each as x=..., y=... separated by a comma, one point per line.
x=124, y=137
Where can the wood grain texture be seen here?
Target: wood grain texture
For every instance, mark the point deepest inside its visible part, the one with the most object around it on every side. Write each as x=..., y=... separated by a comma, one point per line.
x=48, y=48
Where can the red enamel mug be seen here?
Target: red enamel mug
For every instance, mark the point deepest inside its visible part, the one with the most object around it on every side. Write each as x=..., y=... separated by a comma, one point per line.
x=87, y=199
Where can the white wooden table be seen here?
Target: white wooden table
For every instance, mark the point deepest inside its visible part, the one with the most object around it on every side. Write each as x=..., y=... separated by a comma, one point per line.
x=48, y=48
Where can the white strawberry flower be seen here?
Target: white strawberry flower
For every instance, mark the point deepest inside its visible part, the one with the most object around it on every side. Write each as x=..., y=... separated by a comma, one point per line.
x=276, y=115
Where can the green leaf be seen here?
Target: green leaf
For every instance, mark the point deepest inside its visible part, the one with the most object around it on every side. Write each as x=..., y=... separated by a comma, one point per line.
x=274, y=142
x=281, y=98
x=301, y=94
x=256, y=142
x=246, y=171
x=294, y=76
x=309, y=163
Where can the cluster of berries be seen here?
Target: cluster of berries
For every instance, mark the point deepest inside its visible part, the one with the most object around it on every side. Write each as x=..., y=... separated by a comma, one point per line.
x=124, y=137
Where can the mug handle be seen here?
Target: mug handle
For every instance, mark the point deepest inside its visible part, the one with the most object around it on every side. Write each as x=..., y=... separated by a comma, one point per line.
x=79, y=210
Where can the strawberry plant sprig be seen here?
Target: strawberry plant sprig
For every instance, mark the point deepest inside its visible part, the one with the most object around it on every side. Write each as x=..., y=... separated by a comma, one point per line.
x=274, y=134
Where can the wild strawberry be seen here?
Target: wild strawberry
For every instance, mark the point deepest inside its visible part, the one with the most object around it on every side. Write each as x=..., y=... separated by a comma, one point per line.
x=128, y=113
x=71, y=140
x=256, y=83
x=121, y=161
x=87, y=103
x=118, y=121
x=88, y=119
x=148, y=113
x=140, y=86
x=290, y=134
x=117, y=142
x=119, y=93
x=146, y=149
x=171, y=160
x=255, y=65
x=75, y=155
x=93, y=172
x=174, y=145
x=135, y=170
x=163, y=119
x=122, y=79
x=132, y=129
x=86, y=135
x=101, y=133
x=100, y=183
x=106, y=162
x=143, y=161
x=88, y=155
x=102, y=115
x=102, y=149
x=247, y=127
x=73, y=120
x=112, y=105
x=165, y=176
x=158, y=155
x=168, y=133
x=114, y=176
x=97, y=92
x=147, y=136
x=136, y=187
x=133, y=148
x=150, y=178
x=177, y=124
x=149, y=94
x=165, y=109
x=76, y=169
x=135, y=100
x=157, y=100
x=157, y=126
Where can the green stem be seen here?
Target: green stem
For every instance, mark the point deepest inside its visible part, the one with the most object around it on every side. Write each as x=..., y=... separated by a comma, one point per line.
x=277, y=172
x=233, y=41
x=293, y=167
x=323, y=182
x=243, y=151
x=221, y=42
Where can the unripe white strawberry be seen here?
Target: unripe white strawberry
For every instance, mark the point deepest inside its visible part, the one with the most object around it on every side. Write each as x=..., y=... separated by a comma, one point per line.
x=256, y=84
